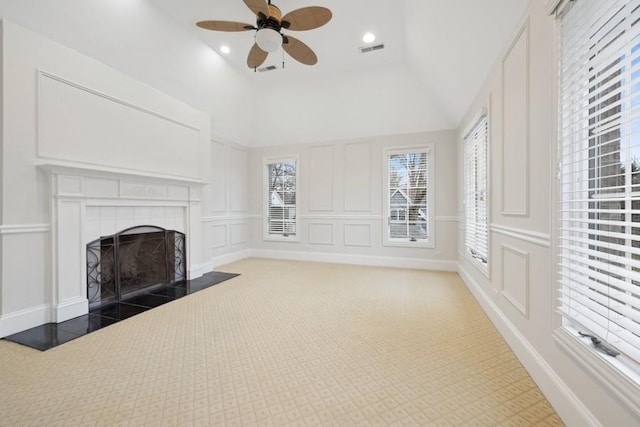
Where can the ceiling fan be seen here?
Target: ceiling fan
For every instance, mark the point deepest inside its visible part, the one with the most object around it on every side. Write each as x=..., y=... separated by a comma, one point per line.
x=269, y=26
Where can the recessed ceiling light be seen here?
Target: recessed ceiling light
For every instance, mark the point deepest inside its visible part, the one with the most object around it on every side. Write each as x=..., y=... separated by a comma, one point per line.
x=369, y=38
x=225, y=49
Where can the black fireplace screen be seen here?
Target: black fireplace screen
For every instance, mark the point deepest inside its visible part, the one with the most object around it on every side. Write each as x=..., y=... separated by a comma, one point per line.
x=133, y=261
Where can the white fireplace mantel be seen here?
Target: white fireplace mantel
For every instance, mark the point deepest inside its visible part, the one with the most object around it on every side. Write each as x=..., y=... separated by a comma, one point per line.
x=85, y=169
x=88, y=201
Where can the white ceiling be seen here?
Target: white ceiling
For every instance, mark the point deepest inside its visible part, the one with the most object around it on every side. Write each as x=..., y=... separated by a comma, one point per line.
x=438, y=54
x=450, y=45
x=336, y=43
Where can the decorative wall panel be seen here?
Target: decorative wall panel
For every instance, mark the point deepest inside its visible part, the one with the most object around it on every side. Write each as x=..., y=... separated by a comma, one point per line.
x=515, y=278
x=79, y=124
x=357, y=177
x=217, y=190
x=238, y=179
x=321, y=160
x=515, y=120
x=217, y=236
x=357, y=235
x=239, y=233
x=321, y=234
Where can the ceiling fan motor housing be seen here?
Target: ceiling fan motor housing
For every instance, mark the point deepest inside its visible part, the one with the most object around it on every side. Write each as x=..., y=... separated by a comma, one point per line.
x=272, y=21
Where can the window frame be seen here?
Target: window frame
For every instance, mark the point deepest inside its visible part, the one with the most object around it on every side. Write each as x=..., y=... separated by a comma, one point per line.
x=429, y=242
x=620, y=376
x=481, y=118
x=266, y=197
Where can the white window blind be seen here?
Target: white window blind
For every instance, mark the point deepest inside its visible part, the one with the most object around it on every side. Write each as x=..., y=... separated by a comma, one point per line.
x=281, y=198
x=599, y=270
x=408, y=199
x=475, y=191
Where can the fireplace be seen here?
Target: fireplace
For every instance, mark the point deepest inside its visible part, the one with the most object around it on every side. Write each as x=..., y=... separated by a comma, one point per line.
x=133, y=261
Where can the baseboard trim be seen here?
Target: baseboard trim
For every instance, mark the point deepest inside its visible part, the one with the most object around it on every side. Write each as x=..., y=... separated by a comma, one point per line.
x=70, y=309
x=22, y=320
x=229, y=258
x=198, y=270
x=565, y=402
x=376, y=261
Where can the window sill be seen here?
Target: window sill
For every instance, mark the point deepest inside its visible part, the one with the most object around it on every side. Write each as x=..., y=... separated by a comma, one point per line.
x=290, y=239
x=480, y=266
x=618, y=379
x=409, y=244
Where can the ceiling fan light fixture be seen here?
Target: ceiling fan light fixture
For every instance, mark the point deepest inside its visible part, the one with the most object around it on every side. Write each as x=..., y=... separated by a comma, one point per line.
x=268, y=39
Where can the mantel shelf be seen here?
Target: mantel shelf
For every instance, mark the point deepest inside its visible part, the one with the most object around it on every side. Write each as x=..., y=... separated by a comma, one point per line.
x=88, y=170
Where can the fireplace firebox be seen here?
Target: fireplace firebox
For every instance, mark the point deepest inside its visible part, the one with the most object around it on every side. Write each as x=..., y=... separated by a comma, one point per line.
x=133, y=261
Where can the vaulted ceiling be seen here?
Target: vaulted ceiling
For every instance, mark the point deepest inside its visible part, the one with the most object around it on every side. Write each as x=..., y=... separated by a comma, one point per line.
x=437, y=55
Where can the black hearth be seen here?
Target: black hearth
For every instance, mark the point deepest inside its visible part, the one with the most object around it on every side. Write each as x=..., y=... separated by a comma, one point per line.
x=132, y=262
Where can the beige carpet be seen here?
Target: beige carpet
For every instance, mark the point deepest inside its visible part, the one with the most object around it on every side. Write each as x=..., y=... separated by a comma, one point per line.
x=285, y=343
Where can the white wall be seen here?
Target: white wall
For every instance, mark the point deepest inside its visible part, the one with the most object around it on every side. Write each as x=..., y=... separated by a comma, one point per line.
x=135, y=38
x=340, y=198
x=225, y=221
x=520, y=292
x=390, y=100
x=107, y=140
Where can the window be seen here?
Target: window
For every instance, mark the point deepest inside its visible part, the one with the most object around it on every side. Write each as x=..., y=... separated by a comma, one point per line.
x=281, y=208
x=599, y=245
x=408, y=197
x=475, y=192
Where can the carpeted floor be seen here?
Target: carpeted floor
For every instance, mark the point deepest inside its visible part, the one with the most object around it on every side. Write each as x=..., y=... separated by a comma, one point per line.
x=285, y=343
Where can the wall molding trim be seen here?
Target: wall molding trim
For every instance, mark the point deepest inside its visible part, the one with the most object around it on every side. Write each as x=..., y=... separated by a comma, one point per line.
x=535, y=237
x=329, y=228
x=42, y=73
x=342, y=217
x=524, y=211
x=230, y=257
x=347, y=236
x=24, y=228
x=368, y=260
x=550, y=6
x=86, y=169
x=226, y=217
x=47, y=145
x=21, y=320
x=565, y=402
x=69, y=309
x=521, y=306
x=197, y=270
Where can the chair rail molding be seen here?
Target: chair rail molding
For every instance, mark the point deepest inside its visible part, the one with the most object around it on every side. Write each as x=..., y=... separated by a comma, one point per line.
x=24, y=228
x=537, y=238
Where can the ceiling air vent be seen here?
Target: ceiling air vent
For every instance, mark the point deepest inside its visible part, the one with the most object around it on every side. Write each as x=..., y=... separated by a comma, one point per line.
x=372, y=48
x=268, y=68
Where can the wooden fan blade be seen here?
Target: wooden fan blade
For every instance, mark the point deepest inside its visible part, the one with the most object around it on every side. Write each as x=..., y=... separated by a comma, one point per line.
x=256, y=56
x=257, y=6
x=225, y=26
x=306, y=18
x=299, y=51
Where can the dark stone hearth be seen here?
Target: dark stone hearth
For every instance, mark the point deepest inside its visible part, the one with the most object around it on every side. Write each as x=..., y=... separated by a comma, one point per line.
x=50, y=335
